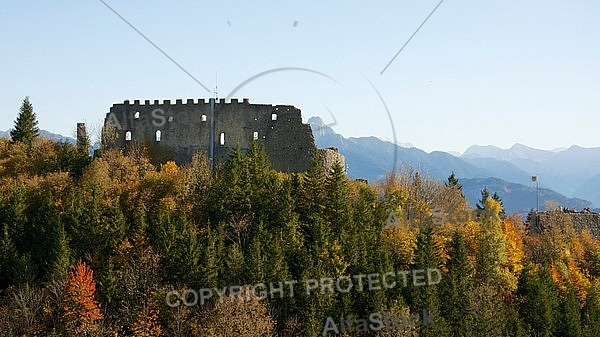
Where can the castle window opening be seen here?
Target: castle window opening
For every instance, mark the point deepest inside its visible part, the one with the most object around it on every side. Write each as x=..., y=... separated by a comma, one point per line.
x=255, y=135
x=204, y=118
x=222, y=138
x=273, y=117
x=128, y=135
x=170, y=119
x=136, y=115
x=158, y=135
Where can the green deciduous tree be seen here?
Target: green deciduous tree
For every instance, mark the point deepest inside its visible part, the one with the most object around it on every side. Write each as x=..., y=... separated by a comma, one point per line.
x=491, y=258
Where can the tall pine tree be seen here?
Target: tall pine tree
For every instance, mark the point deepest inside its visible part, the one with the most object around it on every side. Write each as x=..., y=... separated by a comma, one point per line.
x=539, y=302
x=591, y=312
x=453, y=181
x=455, y=288
x=569, y=322
x=26, y=129
x=485, y=194
x=426, y=297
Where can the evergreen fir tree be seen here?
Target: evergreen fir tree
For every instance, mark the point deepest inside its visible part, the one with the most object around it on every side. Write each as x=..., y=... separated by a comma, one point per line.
x=211, y=258
x=591, y=312
x=313, y=197
x=9, y=258
x=485, y=194
x=339, y=207
x=311, y=200
x=496, y=197
x=26, y=129
x=426, y=297
x=234, y=270
x=256, y=261
x=569, y=323
x=539, y=303
x=515, y=327
x=339, y=213
x=60, y=254
x=453, y=181
x=455, y=288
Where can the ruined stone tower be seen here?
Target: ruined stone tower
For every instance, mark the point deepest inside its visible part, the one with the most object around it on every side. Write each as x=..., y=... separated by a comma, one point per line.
x=82, y=136
x=217, y=127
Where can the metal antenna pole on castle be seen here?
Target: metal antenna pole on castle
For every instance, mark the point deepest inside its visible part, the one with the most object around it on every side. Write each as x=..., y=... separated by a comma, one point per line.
x=211, y=151
x=216, y=86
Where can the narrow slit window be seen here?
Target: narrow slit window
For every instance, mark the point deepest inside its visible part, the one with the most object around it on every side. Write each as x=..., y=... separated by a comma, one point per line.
x=273, y=117
x=158, y=135
x=128, y=135
x=255, y=135
x=204, y=118
x=170, y=119
x=222, y=138
x=136, y=115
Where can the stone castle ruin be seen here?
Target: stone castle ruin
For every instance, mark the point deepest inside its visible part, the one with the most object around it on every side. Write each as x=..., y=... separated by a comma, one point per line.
x=177, y=131
x=580, y=220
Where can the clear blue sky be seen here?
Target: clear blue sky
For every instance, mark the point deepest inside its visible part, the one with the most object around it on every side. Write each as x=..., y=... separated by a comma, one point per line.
x=478, y=72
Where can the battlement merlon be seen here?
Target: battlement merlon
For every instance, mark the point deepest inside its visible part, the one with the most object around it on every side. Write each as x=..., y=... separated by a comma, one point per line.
x=188, y=101
x=125, y=112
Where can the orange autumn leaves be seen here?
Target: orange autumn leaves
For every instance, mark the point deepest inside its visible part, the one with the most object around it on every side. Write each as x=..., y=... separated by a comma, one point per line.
x=81, y=310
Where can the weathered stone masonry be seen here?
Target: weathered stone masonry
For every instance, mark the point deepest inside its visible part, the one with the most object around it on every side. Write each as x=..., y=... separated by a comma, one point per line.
x=581, y=221
x=181, y=129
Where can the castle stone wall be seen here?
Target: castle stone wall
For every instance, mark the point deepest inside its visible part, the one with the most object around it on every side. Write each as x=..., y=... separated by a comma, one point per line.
x=330, y=156
x=589, y=221
x=184, y=128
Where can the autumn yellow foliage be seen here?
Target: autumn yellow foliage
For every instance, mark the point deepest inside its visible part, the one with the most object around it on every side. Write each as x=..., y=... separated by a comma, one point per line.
x=169, y=167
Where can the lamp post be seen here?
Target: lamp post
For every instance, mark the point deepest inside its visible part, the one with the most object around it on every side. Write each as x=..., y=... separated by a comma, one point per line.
x=537, y=188
x=537, y=199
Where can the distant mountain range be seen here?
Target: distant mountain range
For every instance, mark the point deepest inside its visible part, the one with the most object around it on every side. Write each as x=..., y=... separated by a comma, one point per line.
x=570, y=176
x=47, y=135
x=574, y=171
x=507, y=172
x=517, y=197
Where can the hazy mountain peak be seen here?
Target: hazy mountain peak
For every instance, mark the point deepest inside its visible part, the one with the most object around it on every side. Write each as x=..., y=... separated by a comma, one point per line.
x=316, y=120
x=519, y=146
x=517, y=151
x=482, y=151
x=319, y=127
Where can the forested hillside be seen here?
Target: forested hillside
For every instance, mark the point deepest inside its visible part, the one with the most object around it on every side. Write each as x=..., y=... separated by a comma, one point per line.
x=122, y=246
